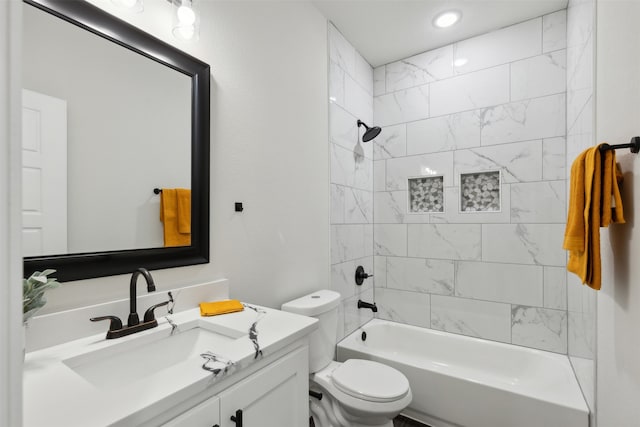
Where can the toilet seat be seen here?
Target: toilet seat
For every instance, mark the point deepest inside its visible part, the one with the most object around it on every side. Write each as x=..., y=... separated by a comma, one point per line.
x=370, y=381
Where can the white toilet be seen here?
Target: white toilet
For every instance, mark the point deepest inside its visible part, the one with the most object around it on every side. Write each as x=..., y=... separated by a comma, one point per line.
x=355, y=393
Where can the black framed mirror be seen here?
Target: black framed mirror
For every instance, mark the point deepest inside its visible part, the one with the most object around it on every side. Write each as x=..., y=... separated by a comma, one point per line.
x=85, y=264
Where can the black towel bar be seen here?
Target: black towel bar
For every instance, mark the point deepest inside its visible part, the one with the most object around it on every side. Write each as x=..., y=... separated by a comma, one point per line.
x=633, y=145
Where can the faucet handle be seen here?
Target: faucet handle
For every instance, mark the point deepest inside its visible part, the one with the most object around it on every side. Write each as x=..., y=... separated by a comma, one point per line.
x=115, y=325
x=149, y=315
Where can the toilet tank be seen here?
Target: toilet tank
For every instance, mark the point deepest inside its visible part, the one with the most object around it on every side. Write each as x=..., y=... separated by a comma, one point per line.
x=323, y=305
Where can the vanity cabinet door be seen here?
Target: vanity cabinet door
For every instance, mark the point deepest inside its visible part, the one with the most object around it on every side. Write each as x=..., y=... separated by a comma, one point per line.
x=206, y=414
x=275, y=396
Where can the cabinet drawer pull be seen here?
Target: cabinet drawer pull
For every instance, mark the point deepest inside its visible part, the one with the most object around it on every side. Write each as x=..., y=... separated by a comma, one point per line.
x=237, y=418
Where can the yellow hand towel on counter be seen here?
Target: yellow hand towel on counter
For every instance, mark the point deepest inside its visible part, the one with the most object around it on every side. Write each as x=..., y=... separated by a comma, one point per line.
x=220, y=307
x=594, y=182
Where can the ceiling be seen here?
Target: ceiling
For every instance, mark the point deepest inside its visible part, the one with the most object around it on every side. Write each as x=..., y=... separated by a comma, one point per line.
x=385, y=31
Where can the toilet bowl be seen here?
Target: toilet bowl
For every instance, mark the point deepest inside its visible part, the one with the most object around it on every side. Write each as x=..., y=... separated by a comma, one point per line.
x=354, y=393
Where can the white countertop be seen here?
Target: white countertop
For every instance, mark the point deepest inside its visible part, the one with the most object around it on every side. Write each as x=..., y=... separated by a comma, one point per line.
x=56, y=395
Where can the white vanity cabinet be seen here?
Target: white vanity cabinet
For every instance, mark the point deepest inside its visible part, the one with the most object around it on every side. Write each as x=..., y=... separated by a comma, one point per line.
x=274, y=396
x=206, y=414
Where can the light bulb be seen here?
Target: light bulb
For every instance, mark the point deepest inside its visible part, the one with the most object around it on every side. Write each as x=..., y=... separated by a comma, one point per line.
x=186, y=15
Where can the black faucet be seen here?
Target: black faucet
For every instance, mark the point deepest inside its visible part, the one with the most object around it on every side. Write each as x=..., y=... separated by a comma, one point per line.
x=116, y=330
x=151, y=287
x=373, y=307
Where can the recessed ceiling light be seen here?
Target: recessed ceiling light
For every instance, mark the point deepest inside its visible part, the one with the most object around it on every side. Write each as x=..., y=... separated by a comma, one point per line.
x=447, y=19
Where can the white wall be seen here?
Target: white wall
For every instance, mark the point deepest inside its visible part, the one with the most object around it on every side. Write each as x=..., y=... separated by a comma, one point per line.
x=269, y=131
x=10, y=234
x=618, y=308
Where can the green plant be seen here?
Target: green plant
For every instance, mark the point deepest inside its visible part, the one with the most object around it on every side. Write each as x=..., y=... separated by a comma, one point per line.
x=33, y=290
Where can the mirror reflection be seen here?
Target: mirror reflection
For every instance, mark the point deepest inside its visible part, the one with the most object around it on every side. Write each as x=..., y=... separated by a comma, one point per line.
x=102, y=127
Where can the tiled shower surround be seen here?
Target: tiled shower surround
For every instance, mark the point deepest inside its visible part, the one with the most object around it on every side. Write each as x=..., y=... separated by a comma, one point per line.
x=350, y=99
x=580, y=136
x=495, y=275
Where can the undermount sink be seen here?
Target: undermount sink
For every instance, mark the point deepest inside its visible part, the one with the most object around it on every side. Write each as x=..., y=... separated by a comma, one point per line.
x=141, y=357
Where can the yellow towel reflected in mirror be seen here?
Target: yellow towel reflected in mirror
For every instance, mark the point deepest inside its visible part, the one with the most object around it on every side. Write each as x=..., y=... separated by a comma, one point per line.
x=175, y=214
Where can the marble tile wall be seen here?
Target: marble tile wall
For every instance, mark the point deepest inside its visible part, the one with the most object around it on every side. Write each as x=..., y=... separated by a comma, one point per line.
x=495, y=275
x=351, y=98
x=580, y=136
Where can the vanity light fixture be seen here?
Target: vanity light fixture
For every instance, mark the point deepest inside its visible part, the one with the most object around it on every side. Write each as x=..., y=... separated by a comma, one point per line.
x=134, y=6
x=447, y=19
x=186, y=20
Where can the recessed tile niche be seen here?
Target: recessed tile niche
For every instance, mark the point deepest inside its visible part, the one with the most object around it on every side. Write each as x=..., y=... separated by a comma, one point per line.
x=480, y=191
x=426, y=194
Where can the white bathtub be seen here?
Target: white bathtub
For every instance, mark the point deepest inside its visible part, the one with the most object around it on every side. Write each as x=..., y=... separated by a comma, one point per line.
x=463, y=381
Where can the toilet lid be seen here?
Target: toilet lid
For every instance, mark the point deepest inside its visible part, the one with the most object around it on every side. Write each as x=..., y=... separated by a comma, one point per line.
x=372, y=381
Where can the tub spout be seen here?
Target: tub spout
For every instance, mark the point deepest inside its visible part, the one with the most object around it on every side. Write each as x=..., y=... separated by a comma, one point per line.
x=373, y=307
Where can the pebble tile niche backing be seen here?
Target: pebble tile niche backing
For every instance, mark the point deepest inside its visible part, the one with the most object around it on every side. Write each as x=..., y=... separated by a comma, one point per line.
x=480, y=192
x=426, y=194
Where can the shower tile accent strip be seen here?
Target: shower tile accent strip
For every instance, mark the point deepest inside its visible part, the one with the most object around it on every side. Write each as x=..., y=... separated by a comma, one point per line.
x=480, y=192
x=426, y=194
x=490, y=263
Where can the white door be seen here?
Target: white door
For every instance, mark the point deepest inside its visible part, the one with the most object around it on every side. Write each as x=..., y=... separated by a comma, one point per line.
x=44, y=174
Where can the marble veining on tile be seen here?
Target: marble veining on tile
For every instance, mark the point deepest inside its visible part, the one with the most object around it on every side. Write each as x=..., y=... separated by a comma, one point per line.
x=539, y=202
x=508, y=283
x=390, y=239
x=553, y=158
x=505, y=45
x=358, y=206
x=392, y=142
x=401, y=106
x=399, y=169
x=539, y=244
x=524, y=120
x=554, y=31
x=470, y=91
x=539, y=328
x=445, y=241
x=519, y=162
x=401, y=306
x=420, y=69
x=451, y=132
x=390, y=207
x=421, y=275
x=481, y=319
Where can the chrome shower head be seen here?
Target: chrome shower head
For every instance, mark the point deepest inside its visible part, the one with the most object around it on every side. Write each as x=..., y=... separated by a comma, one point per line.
x=370, y=132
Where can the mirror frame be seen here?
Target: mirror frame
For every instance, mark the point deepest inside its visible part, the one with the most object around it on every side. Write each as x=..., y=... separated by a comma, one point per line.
x=98, y=264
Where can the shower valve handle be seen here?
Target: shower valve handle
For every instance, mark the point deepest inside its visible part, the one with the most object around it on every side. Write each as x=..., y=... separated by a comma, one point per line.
x=361, y=275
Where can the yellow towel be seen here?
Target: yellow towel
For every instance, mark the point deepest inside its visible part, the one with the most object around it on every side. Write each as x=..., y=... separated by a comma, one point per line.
x=595, y=178
x=184, y=210
x=220, y=307
x=170, y=216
